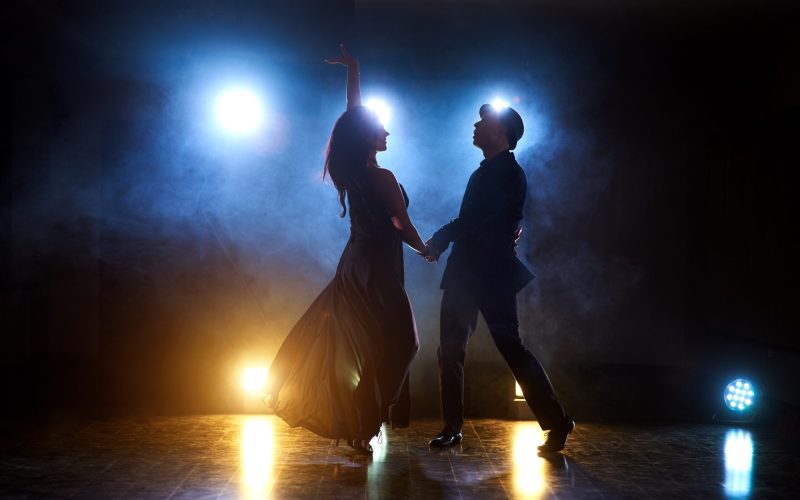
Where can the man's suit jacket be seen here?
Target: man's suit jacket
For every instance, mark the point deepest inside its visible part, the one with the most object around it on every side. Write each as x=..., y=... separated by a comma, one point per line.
x=484, y=257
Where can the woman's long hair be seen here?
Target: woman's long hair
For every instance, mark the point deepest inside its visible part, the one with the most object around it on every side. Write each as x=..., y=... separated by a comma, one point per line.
x=350, y=146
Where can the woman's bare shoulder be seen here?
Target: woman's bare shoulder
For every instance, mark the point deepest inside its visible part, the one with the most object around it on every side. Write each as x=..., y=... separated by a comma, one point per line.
x=383, y=176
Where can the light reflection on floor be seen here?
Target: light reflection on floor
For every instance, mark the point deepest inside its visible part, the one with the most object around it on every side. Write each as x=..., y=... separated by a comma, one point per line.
x=257, y=457
x=529, y=481
x=376, y=466
x=240, y=456
x=738, y=463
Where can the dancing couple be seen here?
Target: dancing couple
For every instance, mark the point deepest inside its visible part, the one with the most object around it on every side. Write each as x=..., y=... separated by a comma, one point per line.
x=343, y=369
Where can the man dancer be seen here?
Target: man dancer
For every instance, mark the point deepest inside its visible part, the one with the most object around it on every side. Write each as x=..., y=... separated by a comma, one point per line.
x=484, y=274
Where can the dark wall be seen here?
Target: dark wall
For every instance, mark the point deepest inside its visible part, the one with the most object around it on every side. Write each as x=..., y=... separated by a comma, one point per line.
x=141, y=276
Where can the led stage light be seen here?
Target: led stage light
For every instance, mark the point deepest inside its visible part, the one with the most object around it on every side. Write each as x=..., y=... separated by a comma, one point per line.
x=239, y=111
x=381, y=108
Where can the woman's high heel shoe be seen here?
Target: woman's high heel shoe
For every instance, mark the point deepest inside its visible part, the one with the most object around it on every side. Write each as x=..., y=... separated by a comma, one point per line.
x=360, y=447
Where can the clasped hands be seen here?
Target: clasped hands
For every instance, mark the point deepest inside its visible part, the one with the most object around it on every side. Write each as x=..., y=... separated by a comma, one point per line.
x=431, y=253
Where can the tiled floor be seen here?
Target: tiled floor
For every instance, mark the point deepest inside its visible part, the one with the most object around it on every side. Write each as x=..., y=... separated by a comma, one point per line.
x=233, y=456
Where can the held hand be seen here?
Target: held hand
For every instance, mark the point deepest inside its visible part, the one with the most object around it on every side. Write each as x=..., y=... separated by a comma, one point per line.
x=430, y=254
x=345, y=59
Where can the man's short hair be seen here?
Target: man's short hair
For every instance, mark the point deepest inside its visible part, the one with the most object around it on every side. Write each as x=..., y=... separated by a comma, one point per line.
x=510, y=119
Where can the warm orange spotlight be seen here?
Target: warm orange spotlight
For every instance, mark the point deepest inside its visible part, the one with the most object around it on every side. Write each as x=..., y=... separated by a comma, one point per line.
x=254, y=379
x=519, y=407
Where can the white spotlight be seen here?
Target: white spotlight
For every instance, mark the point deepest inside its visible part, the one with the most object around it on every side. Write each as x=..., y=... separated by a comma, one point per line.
x=239, y=111
x=499, y=103
x=381, y=109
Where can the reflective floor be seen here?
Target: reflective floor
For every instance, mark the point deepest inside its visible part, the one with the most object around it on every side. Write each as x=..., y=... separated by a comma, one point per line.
x=233, y=456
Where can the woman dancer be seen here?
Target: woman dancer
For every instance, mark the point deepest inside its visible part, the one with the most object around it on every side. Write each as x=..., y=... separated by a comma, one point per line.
x=343, y=369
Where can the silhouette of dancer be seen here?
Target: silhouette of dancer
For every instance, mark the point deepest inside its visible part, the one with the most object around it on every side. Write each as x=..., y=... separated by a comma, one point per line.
x=343, y=369
x=484, y=274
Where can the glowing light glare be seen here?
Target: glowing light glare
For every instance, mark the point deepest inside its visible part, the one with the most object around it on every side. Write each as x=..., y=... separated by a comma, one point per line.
x=518, y=392
x=740, y=395
x=380, y=446
x=254, y=379
x=528, y=465
x=239, y=111
x=499, y=103
x=376, y=472
x=257, y=457
x=381, y=109
x=738, y=462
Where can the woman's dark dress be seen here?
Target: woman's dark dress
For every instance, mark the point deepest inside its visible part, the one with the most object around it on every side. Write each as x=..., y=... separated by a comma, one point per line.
x=343, y=369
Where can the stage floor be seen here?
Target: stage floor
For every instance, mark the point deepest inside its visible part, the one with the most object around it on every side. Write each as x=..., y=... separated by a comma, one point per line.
x=243, y=456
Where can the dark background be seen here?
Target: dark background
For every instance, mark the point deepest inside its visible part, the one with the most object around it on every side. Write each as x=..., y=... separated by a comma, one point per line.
x=147, y=258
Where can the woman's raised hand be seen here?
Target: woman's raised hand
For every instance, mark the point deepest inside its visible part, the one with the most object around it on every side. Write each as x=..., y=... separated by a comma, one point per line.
x=345, y=59
x=353, y=76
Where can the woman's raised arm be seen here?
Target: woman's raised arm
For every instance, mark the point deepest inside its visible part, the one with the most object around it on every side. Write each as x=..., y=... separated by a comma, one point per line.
x=353, y=77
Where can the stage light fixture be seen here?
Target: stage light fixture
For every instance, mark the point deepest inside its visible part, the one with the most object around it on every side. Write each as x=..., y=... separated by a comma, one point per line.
x=254, y=380
x=519, y=409
x=740, y=395
x=742, y=401
x=380, y=108
x=239, y=111
x=499, y=103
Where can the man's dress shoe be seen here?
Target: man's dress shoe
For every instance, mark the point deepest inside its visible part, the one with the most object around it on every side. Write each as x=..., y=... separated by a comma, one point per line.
x=446, y=439
x=557, y=436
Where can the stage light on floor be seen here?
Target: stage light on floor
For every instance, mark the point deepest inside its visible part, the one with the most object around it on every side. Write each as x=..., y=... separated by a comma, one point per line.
x=500, y=103
x=239, y=111
x=740, y=395
x=254, y=380
x=380, y=108
x=519, y=409
x=741, y=399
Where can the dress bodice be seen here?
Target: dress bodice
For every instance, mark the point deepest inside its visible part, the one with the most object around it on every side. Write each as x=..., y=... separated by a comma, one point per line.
x=368, y=214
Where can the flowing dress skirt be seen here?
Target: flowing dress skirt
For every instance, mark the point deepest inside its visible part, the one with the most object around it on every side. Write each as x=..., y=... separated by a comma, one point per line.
x=343, y=369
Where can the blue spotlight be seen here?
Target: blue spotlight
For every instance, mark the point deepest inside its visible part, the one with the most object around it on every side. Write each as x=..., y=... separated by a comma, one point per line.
x=740, y=395
x=499, y=103
x=741, y=399
x=380, y=108
x=239, y=111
